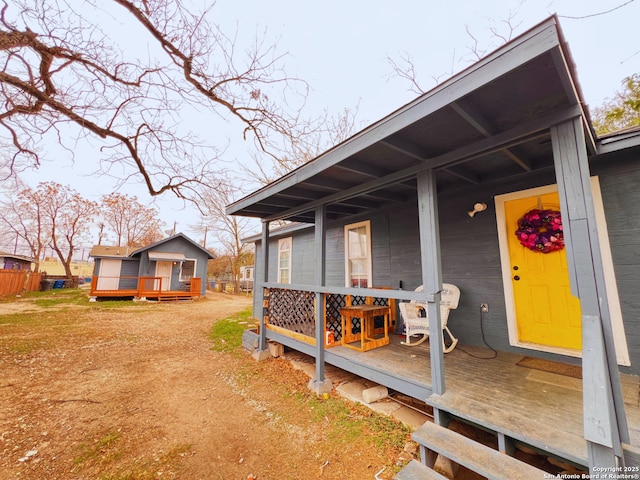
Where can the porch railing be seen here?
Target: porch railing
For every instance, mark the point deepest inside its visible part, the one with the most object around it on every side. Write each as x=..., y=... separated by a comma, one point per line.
x=131, y=286
x=292, y=313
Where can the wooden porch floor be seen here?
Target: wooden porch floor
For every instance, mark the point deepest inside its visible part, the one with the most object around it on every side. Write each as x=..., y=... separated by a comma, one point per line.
x=164, y=295
x=530, y=406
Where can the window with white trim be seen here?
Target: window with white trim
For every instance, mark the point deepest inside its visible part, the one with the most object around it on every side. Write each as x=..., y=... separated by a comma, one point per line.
x=187, y=270
x=284, y=260
x=357, y=254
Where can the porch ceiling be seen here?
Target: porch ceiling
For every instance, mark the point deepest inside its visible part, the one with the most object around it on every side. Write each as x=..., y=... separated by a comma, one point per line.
x=486, y=124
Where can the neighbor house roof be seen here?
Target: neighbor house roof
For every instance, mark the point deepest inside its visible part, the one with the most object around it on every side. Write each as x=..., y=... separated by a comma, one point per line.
x=104, y=251
x=620, y=140
x=16, y=257
x=110, y=251
x=168, y=239
x=490, y=122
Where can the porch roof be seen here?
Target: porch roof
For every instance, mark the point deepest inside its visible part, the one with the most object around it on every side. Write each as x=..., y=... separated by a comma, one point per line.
x=485, y=124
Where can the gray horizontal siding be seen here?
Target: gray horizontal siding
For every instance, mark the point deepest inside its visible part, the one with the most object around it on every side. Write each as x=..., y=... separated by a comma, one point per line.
x=129, y=269
x=470, y=254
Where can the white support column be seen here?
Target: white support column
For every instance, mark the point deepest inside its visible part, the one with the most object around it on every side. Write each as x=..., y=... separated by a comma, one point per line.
x=605, y=424
x=431, y=272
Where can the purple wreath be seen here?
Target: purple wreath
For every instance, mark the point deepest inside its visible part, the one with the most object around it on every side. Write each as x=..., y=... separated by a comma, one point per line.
x=541, y=231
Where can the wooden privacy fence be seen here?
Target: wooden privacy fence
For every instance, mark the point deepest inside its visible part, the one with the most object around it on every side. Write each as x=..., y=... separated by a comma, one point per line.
x=13, y=282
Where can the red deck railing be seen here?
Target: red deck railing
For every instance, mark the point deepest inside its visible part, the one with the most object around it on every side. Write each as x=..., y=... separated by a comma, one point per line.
x=145, y=287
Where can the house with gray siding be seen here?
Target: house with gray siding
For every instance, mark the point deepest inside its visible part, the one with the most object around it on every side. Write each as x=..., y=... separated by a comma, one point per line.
x=170, y=269
x=495, y=182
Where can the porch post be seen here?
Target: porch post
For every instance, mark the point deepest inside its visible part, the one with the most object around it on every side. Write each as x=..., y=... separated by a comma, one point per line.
x=431, y=273
x=605, y=423
x=262, y=353
x=320, y=384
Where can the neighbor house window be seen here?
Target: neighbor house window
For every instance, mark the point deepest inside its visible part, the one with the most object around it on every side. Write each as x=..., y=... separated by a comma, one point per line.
x=187, y=270
x=357, y=254
x=284, y=260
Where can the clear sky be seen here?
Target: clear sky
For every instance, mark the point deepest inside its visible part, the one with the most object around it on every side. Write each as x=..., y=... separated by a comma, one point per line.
x=340, y=47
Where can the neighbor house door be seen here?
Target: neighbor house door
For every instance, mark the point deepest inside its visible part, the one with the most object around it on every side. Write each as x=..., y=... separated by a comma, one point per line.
x=163, y=270
x=542, y=314
x=109, y=274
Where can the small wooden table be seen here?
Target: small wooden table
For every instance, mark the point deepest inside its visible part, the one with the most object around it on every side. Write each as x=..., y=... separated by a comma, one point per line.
x=366, y=314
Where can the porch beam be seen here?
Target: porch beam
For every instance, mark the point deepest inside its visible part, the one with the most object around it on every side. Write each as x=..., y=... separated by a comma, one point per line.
x=410, y=150
x=605, y=423
x=338, y=186
x=431, y=274
x=468, y=152
x=475, y=118
x=362, y=168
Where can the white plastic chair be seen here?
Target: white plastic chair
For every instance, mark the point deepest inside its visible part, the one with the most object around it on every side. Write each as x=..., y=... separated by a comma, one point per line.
x=415, y=324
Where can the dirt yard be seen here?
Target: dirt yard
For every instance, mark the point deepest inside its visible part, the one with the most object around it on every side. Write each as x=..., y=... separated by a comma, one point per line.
x=138, y=392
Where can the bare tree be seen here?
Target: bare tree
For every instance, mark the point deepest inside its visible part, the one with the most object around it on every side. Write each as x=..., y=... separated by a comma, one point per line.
x=52, y=215
x=65, y=76
x=22, y=216
x=500, y=32
x=229, y=230
x=329, y=130
x=133, y=224
x=68, y=218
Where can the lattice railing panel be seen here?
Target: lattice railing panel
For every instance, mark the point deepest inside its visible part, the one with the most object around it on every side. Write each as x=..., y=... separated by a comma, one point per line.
x=333, y=302
x=380, y=301
x=293, y=310
x=361, y=300
x=358, y=300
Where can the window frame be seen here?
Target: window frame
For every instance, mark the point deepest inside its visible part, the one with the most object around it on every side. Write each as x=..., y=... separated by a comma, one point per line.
x=368, y=257
x=281, y=242
x=181, y=278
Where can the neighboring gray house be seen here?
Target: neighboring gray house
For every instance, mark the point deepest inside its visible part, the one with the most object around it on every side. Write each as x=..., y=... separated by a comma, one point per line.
x=175, y=267
x=395, y=206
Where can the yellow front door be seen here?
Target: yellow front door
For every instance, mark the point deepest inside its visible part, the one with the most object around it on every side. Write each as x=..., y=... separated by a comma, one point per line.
x=546, y=312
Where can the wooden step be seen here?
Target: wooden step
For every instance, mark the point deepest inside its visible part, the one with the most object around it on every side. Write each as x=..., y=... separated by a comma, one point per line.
x=554, y=441
x=417, y=471
x=475, y=456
